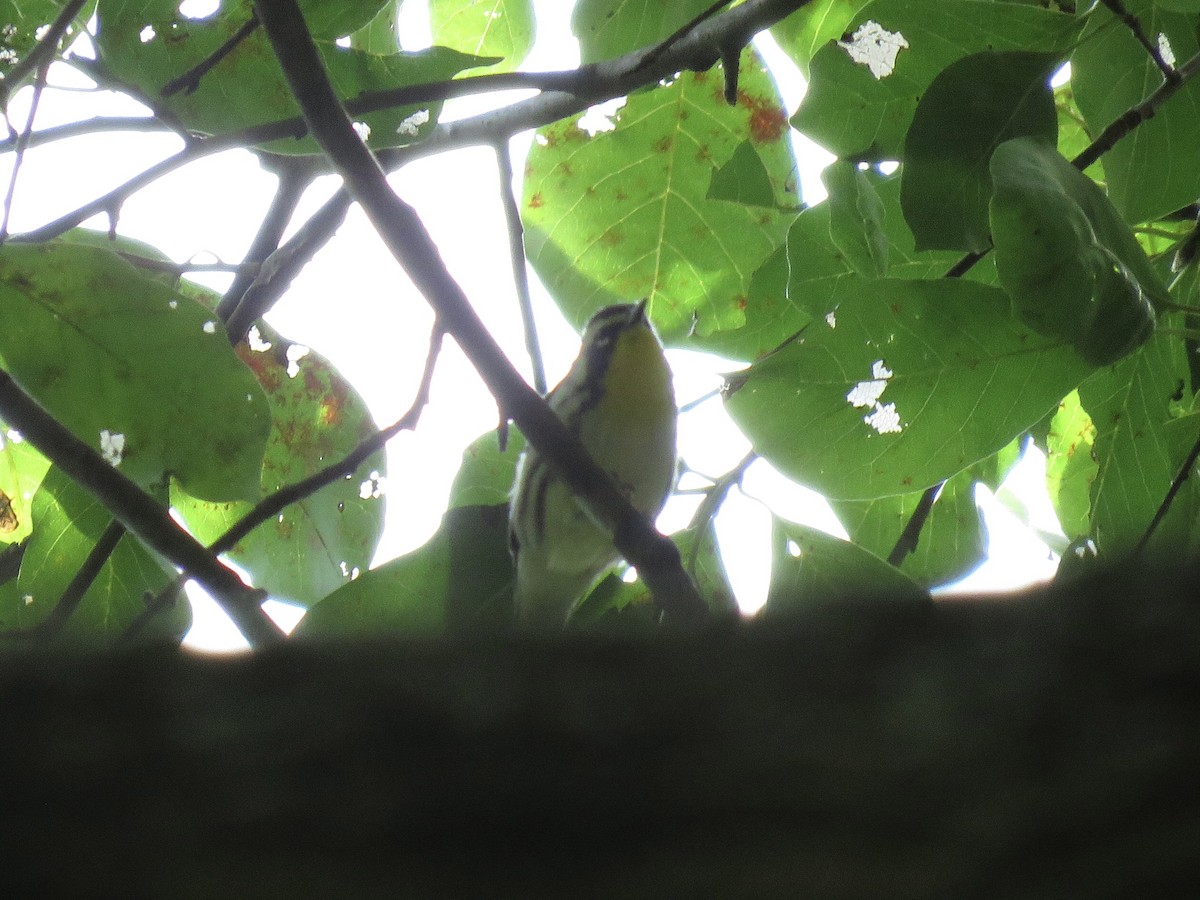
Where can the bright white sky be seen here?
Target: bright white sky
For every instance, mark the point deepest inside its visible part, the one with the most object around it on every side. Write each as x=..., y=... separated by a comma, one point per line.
x=354, y=305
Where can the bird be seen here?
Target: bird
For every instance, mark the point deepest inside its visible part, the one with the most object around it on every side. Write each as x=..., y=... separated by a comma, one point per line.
x=618, y=398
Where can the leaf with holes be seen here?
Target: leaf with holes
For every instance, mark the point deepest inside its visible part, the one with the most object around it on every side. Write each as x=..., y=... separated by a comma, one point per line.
x=863, y=115
x=317, y=418
x=121, y=359
x=898, y=385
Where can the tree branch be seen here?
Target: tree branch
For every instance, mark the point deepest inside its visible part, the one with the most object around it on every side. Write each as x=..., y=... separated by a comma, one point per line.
x=405, y=236
x=564, y=94
x=295, y=175
x=1117, y=8
x=136, y=510
x=516, y=249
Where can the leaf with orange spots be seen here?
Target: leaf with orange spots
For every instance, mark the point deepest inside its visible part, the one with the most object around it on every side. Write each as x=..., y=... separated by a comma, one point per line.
x=627, y=212
x=314, y=546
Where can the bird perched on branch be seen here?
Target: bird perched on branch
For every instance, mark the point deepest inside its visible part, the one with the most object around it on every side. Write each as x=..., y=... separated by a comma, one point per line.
x=618, y=398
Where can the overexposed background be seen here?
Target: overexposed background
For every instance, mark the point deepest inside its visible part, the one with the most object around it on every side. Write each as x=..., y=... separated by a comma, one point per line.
x=355, y=306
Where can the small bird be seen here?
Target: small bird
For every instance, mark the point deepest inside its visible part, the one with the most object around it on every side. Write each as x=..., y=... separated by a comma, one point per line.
x=619, y=399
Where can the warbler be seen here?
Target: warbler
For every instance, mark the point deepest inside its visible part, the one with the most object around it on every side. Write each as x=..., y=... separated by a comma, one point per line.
x=619, y=399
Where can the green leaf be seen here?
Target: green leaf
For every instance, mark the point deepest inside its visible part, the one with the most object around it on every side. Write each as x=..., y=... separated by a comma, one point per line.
x=860, y=116
x=1071, y=466
x=1153, y=170
x=485, y=28
x=610, y=28
x=1139, y=445
x=313, y=546
x=898, y=385
x=954, y=538
x=22, y=468
x=110, y=351
x=982, y=100
x=624, y=214
x=810, y=568
x=150, y=43
x=461, y=578
x=1069, y=262
x=809, y=28
x=856, y=215
x=487, y=473
x=744, y=179
x=69, y=522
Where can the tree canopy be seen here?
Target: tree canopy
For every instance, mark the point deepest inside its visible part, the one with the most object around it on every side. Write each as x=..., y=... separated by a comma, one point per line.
x=1006, y=254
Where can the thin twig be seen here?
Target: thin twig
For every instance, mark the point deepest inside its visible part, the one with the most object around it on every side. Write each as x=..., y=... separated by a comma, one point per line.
x=516, y=250
x=564, y=94
x=1135, y=115
x=911, y=536
x=714, y=496
x=19, y=157
x=657, y=52
x=295, y=175
x=190, y=80
x=94, y=125
x=72, y=595
x=282, y=266
x=1185, y=472
x=1117, y=8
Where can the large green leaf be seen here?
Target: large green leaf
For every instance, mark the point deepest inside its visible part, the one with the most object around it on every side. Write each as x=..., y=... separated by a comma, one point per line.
x=609, y=28
x=316, y=544
x=899, y=385
x=982, y=100
x=485, y=28
x=810, y=567
x=1153, y=170
x=69, y=522
x=859, y=115
x=461, y=578
x=625, y=213
x=114, y=353
x=149, y=43
x=1141, y=439
x=1069, y=262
